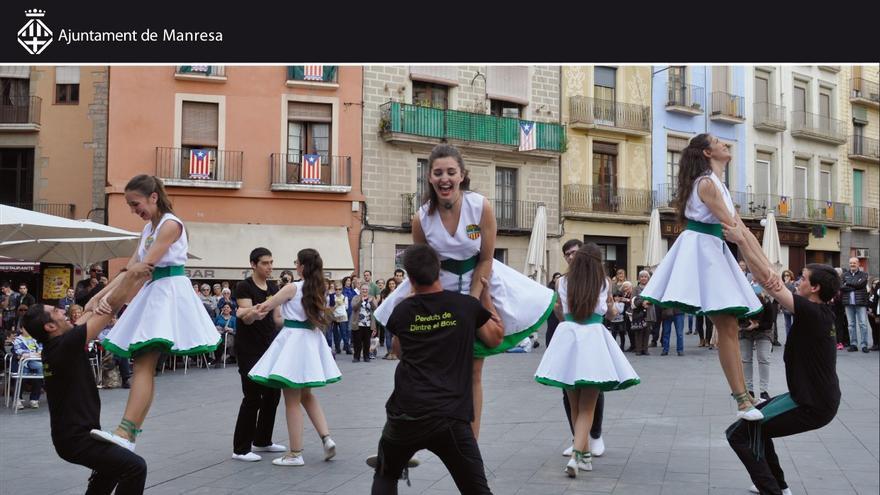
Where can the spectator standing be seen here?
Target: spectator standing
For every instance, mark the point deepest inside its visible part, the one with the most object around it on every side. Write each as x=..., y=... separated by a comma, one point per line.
x=361, y=323
x=755, y=335
x=855, y=301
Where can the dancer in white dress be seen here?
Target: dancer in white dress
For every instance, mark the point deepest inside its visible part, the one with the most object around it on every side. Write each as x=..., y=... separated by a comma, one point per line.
x=299, y=358
x=583, y=358
x=165, y=314
x=699, y=275
x=460, y=226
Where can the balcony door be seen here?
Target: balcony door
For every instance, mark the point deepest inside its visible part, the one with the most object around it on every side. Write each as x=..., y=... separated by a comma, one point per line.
x=17, y=176
x=677, y=86
x=505, y=197
x=799, y=100
x=604, y=95
x=800, y=189
x=604, y=176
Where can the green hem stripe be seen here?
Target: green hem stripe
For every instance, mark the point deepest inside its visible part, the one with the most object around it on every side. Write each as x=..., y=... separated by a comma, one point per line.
x=603, y=386
x=738, y=311
x=161, y=345
x=278, y=381
x=481, y=350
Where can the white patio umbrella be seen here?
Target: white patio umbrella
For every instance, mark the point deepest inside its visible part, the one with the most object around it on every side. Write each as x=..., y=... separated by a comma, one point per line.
x=654, y=241
x=17, y=224
x=82, y=252
x=535, y=267
x=770, y=244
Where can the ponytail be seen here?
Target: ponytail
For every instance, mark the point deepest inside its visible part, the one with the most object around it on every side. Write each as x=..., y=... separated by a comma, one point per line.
x=314, y=286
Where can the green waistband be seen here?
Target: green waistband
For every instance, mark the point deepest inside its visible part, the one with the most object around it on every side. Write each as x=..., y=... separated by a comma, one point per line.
x=460, y=267
x=298, y=324
x=168, y=271
x=593, y=318
x=706, y=228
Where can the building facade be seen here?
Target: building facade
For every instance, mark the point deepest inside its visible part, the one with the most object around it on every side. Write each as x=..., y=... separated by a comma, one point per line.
x=410, y=109
x=606, y=169
x=53, y=146
x=251, y=156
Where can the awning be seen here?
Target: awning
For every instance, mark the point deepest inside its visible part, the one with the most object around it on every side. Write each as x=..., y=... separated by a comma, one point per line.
x=225, y=249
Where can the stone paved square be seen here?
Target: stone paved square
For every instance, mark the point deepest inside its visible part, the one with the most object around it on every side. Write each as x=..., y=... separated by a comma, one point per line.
x=664, y=436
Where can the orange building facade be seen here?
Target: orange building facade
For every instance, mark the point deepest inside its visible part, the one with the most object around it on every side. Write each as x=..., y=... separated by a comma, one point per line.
x=250, y=156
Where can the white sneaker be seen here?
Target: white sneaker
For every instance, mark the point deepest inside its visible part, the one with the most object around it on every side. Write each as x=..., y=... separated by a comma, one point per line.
x=269, y=448
x=597, y=446
x=289, y=459
x=249, y=457
x=585, y=464
x=108, y=437
x=35, y=404
x=329, y=449
x=750, y=414
x=754, y=489
x=567, y=452
x=571, y=469
x=19, y=405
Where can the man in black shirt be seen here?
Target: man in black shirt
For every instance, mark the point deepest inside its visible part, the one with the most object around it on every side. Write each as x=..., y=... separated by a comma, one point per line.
x=74, y=405
x=432, y=404
x=810, y=365
x=254, y=333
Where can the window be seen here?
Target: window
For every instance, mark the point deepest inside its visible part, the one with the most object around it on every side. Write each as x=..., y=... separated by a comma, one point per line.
x=501, y=108
x=801, y=183
x=604, y=176
x=765, y=182
x=826, y=182
x=16, y=176
x=67, y=85
x=14, y=100
x=825, y=108
x=199, y=128
x=674, y=146
x=858, y=191
x=858, y=139
x=720, y=78
x=421, y=179
x=399, y=249
x=614, y=252
x=677, y=86
x=308, y=133
x=430, y=95
x=604, y=94
x=762, y=87
x=799, y=100
x=500, y=255
x=505, y=197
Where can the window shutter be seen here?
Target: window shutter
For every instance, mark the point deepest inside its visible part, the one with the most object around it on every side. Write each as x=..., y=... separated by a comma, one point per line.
x=676, y=143
x=604, y=148
x=66, y=75
x=508, y=84
x=200, y=124
x=309, y=112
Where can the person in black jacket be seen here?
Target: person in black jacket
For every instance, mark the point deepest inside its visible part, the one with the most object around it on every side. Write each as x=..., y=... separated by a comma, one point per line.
x=855, y=299
x=874, y=312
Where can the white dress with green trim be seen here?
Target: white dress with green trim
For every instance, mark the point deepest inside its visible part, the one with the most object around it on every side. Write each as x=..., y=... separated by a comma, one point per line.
x=166, y=314
x=699, y=274
x=584, y=354
x=299, y=357
x=523, y=304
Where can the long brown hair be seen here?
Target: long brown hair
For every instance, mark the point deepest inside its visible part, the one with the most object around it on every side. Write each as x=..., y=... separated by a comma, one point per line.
x=314, y=286
x=146, y=185
x=693, y=163
x=585, y=279
x=443, y=151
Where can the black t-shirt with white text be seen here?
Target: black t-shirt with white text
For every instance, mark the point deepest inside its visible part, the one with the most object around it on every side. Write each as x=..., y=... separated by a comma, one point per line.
x=74, y=405
x=436, y=333
x=811, y=357
x=255, y=338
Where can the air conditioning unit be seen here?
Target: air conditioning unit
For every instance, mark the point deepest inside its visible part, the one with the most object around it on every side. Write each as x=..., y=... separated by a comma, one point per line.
x=861, y=252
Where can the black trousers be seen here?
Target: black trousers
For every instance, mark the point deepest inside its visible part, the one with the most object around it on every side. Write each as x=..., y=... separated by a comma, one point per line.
x=596, y=429
x=753, y=441
x=256, y=415
x=360, y=338
x=112, y=466
x=454, y=444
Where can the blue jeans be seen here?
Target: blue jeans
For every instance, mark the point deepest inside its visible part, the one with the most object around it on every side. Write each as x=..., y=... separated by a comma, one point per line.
x=333, y=335
x=31, y=368
x=690, y=323
x=345, y=332
x=679, y=332
x=857, y=315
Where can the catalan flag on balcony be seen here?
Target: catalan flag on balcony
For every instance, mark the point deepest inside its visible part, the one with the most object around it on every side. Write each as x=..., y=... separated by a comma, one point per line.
x=311, y=169
x=829, y=210
x=204, y=69
x=527, y=134
x=313, y=72
x=783, y=206
x=199, y=164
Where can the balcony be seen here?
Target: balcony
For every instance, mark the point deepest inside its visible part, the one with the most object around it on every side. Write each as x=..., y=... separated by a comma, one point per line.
x=817, y=127
x=769, y=117
x=625, y=118
x=727, y=108
x=312, y=76
x=20, y=114
x=203, y=73
x=866, y=218
x=592, y=201
x=817, y=211
x=864, y=92
x=864, y=148
x=512, y=217
x=65, y=210
x=332, y=174
x=685, y=99
x=405, y=123
x=179, y=167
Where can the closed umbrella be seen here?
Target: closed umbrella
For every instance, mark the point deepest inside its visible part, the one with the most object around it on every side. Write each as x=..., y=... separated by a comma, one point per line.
x=654, y=242
x=770, y=245
x=18, y=224
x=535, y=267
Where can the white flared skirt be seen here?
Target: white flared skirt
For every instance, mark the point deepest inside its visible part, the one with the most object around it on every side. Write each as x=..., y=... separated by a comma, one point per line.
x=297, y=358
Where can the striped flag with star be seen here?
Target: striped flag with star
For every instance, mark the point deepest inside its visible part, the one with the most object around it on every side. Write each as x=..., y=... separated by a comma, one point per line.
x=313, y=72
x=311, y=169
x=199, y=164
x=527, y=135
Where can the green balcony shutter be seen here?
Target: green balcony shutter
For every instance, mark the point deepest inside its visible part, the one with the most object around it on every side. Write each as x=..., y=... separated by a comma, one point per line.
x=330, y=73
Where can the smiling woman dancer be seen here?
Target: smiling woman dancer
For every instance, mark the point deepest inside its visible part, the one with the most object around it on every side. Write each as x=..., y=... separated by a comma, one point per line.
x=460, y=225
